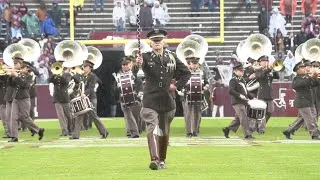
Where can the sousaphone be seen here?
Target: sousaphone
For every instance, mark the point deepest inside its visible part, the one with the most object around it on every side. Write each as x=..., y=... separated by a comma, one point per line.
x=132, y=48
x=94, y=56
x=298, y=53
x=257, y=45
x=68, y=51
x=189, y=48
x=311, y=50
x=33, y=48
x=201, y=40
x=14, y=50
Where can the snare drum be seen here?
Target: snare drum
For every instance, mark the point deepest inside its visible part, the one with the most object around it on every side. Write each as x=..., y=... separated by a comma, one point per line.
x=128, y=95
x=256, y=109
x=81, y=105
x=194, y=96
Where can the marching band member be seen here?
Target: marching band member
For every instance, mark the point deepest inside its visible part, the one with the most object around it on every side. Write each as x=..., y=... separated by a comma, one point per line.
x=303, y=84
x=132, y=111
x=61, y=99
x=239, y=98
x=193, y=109
x=8, y=98
x=158, y=107
x=21, y=100
x=3, y=82
x=264, y=76
x=249, y=74
x=88, y=89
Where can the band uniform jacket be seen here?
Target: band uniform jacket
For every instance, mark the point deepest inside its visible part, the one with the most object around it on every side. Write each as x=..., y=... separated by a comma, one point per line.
x=247, y=72
x=158, y=76
x=61, y=83
x=76, y=89
x=316, y=95
x=265, y=77
x=35, y=73
x=9, y=90
x=303, y=84
x=21, y=86
x=90, y=84
x=3, y=83
x=237, y=86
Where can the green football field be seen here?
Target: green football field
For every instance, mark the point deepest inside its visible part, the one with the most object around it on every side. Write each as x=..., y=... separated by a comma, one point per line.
x=209, y=156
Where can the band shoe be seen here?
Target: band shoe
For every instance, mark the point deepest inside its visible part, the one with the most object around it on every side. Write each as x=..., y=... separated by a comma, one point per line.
x=154, y=165
x=287, y=134
x=226, y=132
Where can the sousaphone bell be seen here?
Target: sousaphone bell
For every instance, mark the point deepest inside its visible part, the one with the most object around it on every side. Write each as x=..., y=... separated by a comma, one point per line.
x=68, y=51
x=33, y=48
x=257, y=45
x=94, y=56
x=189, y=48
x=14, y=50
x=311, y=50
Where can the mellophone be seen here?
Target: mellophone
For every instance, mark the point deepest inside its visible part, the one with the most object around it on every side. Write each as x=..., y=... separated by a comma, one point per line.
x=256, y=109
x=195, y=95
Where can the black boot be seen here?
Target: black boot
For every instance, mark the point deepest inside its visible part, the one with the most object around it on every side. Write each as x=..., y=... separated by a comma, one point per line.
x=226, y=131
x=153, y=143
x=163, y=146
x=268, y=116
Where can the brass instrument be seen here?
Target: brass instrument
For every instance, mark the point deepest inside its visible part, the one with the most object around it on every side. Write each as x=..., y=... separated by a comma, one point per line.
x=68, y=51
x=189, y=48
x=84, y=51
x=132, y=49
x=242, y=55
x=56, y=68
x=12, y=51
x=201, y=40
x=311, y=50
x=257, y=45
x=33, y=48
x=277, y=65
x=6, y=71
x=298, y=53
x=95, y=56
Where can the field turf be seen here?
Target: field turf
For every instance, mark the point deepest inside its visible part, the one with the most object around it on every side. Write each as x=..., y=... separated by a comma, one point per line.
x=209, y=156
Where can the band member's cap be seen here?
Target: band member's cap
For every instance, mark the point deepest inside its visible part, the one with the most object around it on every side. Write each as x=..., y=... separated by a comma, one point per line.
x=157, y=33
x=237, y=66
x=126, y=60
x=88, y=63
x=263, y=58
x=298, y=65
x=18, y=58
x=315, y=63
x=25, y=63
x=306, y=62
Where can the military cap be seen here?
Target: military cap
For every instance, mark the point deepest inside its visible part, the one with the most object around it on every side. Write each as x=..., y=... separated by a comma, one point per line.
x=157, y=33
x=264, y=57
x=298, y=65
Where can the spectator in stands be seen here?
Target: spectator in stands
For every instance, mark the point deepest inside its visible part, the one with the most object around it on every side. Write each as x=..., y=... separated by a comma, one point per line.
x=277, y=22
x=289, y=63
x=16, y=30
x=160, y=18
x=248, y=5
x=145, y=14
x=31, y=23
x=43, y=74
x=15, y=16
x=195, y=7
x=56, y=15
x=119, y=17
x=41, y=12
x=280, y=48
x=78, y=4
x=96, y=5
x=309, y=7
x=7, y=19
x=302, y=37
x=131, y=12
x=47, y=26
x=23, y=9
x=309, y=25
x=2, y=7
x=263, y=20
x=44, y=58
x=290, y=42
x=288, y=8
x=42, y=41
x=267, y=4
x=163, y=6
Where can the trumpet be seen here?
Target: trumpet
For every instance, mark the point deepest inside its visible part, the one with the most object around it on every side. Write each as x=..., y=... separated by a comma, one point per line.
x=7, y=71
x=277, y=65
x=56, y=68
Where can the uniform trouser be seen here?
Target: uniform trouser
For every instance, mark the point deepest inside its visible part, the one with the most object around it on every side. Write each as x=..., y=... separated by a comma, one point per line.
x=240, y=118
x=20, y=110
x=8, y=117
x=158, y=127
x=64, y=115
x=79, y=121
x=4, y=119
x=87, y=121
x=299, y=122
x=32, y=113
x=307, y=117
x=269, y=110
x=193, y=118
x=132, y=124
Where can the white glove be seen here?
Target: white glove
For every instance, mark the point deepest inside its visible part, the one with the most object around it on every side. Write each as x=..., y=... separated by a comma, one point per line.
x=96, y=87
x=119, y=85
x=180, y=93
x=243, y=97
x=51, y=89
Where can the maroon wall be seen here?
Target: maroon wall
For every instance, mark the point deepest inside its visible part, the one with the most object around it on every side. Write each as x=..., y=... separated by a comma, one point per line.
x=282, y=93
